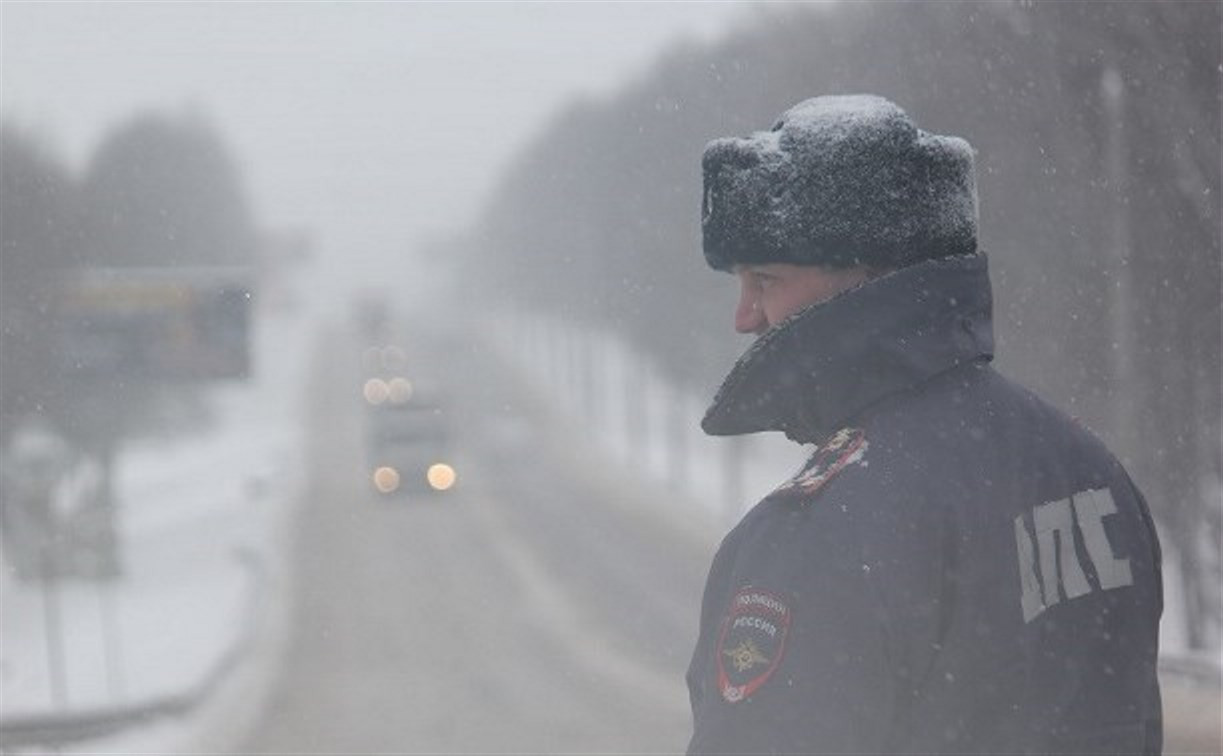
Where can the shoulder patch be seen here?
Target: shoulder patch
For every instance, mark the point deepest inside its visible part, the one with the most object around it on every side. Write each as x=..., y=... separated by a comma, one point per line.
x=845, y=447
x=752, y=642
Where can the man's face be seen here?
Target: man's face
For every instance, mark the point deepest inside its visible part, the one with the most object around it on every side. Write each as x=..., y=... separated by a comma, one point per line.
x=770, y=293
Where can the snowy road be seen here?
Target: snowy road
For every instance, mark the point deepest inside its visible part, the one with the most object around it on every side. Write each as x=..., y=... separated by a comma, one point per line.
x=542, y=606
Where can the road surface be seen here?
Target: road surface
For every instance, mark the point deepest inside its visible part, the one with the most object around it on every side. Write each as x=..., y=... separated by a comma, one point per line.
x=546, y=604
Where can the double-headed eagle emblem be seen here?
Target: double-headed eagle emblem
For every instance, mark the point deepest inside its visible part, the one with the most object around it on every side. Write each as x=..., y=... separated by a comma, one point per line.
x=745, y=655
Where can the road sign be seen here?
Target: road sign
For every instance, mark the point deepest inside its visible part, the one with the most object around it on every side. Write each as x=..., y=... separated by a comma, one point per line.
x=155, y=324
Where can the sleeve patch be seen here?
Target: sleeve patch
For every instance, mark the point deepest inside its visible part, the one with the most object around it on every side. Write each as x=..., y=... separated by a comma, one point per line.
x=1052, y=566
x=752, y=642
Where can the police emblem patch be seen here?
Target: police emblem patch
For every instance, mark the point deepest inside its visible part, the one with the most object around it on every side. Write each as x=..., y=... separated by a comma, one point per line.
x=752, y=642
x=843, y=448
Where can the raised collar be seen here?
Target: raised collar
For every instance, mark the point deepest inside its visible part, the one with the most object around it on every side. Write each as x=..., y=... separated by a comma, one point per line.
x=828, y=362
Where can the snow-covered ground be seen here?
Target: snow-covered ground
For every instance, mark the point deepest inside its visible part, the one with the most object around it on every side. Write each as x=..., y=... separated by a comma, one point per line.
x=138, y=664
x=642, y=419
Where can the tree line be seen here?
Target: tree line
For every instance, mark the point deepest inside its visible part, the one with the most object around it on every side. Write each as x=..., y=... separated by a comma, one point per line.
x=1097, y=129
x=159, y=192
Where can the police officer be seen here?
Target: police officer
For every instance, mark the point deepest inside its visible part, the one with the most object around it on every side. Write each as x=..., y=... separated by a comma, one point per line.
x=958, y=567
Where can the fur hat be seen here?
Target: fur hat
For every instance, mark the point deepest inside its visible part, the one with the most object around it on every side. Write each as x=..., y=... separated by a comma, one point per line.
x=839, y=181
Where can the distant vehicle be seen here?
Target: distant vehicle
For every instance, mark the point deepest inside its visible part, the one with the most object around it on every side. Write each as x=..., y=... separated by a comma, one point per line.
x=407, y=442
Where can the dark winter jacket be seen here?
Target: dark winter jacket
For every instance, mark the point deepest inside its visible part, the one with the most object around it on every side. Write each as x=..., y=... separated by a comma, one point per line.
x=959, y=568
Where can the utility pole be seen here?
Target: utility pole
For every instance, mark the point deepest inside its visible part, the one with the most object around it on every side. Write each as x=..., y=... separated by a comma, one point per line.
x=1119, y=269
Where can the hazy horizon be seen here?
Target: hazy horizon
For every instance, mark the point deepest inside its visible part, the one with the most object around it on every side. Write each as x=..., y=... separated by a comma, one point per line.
x=369, y=126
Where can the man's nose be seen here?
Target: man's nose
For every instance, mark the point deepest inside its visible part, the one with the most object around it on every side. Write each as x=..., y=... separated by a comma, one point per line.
x=748, y=316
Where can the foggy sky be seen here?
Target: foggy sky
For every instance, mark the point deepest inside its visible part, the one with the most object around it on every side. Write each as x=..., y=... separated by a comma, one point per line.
x=368, y=124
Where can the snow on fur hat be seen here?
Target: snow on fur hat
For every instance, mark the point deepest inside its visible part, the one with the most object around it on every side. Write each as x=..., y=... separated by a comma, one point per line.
x=839, y=181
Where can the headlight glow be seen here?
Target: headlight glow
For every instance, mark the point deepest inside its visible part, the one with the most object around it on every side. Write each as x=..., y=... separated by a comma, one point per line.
x=386, y=479
x=441, y=476
x=399, y=390
x=394, y=359
x=376, y=391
